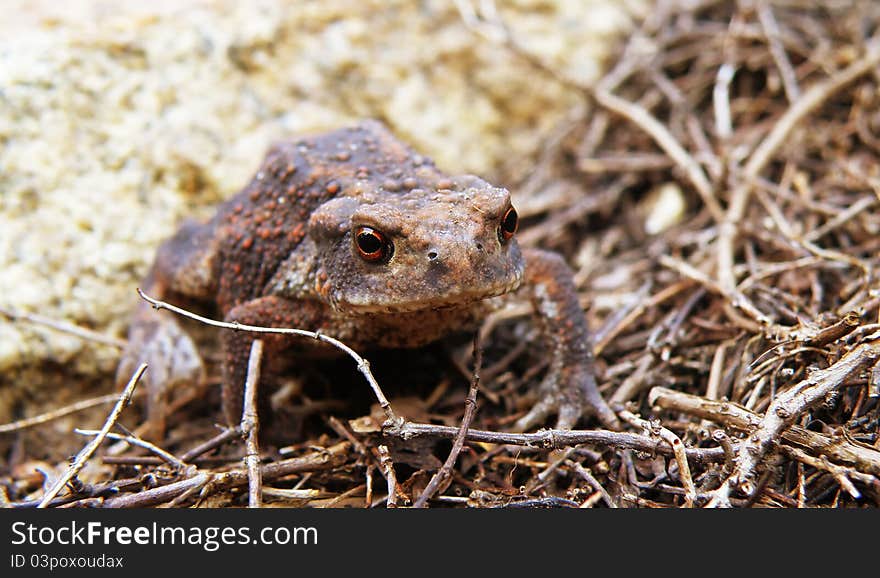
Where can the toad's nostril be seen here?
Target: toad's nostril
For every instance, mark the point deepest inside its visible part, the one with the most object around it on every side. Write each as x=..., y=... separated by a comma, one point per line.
x=432, y=255
x=479, y=246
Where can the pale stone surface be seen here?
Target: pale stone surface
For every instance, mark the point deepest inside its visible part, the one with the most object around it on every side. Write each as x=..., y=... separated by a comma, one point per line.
x=119, y=119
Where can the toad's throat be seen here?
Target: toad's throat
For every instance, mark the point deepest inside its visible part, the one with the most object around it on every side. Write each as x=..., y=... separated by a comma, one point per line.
x=465, y=297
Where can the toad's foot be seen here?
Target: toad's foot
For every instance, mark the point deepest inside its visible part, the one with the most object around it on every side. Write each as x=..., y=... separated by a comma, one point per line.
x=570, y=393
x=569, y=388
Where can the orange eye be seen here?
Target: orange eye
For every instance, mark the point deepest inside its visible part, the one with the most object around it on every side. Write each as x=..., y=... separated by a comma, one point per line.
x=372, y=245
x=508, y=226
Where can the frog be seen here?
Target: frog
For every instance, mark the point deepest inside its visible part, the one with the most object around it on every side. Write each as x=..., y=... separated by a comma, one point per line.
x=354, y=234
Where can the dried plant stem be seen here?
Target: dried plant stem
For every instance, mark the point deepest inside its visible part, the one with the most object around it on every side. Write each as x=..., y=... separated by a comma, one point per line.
x=670, y=145
x=63, y=327
x=218, y=440
x=736, y=417
x=733, y=295
x=843, y=327
x=166, y=456
x=678, y=450
x=83, y=456
x=61, y=412
x=643, y=305
x=840, y=473
x=787, y=406
x=250, y=425
x=592, y=481
x=713, y=384
x=490, y=26
x=558, y=439
x=387, y=467
x=803, y=106
x=771, y=30
x=363, y=365
x=329, y=458
x=191, y=455
x=470, y=410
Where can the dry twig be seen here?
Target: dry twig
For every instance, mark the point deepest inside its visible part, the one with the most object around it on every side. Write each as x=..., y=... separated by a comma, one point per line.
x=330, y=458
x=470, y=410
x=763, y=153
x=250, y=425
x=61, y=412
x=558, y=439
x=363, y=365
x=787, y=407
x=63, y=327
x=83, y=456
x=733, y=416
x=678, y=450
x=165, y=456
x=387, y=467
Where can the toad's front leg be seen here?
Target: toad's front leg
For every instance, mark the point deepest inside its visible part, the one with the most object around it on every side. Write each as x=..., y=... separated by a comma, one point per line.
x=271, y=311
x=569, y=388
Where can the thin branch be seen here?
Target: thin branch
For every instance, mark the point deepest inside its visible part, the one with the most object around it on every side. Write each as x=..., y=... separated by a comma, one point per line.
x=218, y=440
x=166, y=456
x=843, y=327
x=557, y=439
x=771, y=30
x=733, y=416
x=670, y=145
x=594, y=483
x=387, y=467
x=678, y=450
x=840, y=473
x=634, y=382
x=329, y=458
x=61, y=412
x=250, y=425
x=815, y=97
x=470, y=410
x=83, y=456
x=489, y=25
x=734, y=297
x=363, y=365
x=845, y=216
x=786, y=408
x=724, y=441
x=713, y=384
x=641, y=306
x=228, y=434
x=63, y=327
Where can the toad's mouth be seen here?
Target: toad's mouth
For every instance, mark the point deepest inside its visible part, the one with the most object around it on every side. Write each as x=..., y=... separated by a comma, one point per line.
x=463, y=297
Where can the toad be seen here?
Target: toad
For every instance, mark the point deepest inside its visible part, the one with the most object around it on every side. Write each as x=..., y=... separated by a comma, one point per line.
x=354, y=234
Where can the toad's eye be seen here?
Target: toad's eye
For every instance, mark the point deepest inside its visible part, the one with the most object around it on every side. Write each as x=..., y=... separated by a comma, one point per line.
x=372, y=245
x=508, y=226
